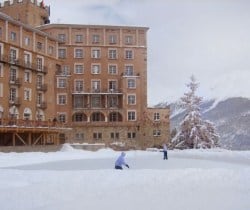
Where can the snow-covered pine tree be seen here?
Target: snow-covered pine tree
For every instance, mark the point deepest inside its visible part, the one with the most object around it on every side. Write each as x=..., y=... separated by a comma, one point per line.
x=194, y=132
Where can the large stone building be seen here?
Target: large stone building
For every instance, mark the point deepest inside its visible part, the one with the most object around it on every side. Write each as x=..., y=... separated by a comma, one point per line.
x=89, y=79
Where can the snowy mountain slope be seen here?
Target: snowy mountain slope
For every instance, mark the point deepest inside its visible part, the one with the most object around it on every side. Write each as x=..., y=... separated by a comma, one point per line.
x=231, y=117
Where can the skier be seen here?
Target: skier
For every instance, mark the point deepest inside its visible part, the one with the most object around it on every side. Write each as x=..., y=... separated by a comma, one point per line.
x=165, y=152
x=121, y=161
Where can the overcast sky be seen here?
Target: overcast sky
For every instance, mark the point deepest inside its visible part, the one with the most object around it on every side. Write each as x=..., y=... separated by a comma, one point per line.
x=207, y=38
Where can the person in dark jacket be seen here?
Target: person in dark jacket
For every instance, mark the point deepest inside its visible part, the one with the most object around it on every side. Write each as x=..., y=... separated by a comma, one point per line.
x=121, y=161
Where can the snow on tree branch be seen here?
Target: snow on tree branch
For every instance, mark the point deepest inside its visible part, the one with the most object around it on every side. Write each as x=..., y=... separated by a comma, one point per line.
x=194, y=132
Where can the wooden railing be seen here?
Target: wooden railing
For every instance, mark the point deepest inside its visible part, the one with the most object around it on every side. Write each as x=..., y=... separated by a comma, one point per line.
x=10, y=122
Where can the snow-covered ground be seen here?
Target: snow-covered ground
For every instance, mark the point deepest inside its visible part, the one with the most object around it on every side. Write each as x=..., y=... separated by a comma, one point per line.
x=76, y=180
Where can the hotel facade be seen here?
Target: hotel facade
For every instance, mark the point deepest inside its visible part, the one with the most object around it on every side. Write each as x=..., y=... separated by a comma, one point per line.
x=74, y=83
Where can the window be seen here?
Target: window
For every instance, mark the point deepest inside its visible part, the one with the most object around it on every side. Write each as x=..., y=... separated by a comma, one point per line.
x=78, y=69
x=112, y=54
x=129, y=40
x=96, y=69
x=96, y=102
x=112, y=69
x=26, y=41
x=96, y=117
x=131, y=100
x=27, y=76
x=95, y=38
x=62, y=37
x=131, y=83
x=156, y=132
x=61, y=83
x=13, y=74
x=114, y=135
x=79, y=85
x=62, y=53
x=97, y=136
x=79, y=117
x=129, y=70
x=65, y=70
x=78, y=53
x=1, y=89
x=39, y=80
x=27, y=94
x=1, y=49
x=156, y=116
x=39, y=98
x=39, y=45
x=113, y=102
x=27, y=59
x=51, y=50
x=39, y=62
x=112, y=39
x=131, y=135
x=78, y=38
x=128, y=54
x=13, y=36
x=13, y=94
x=62, y=118
x=79, y=136
x=13, y=55
x=78, y=101
x=131, y=116
x=62, y=99
x=1, y=70
x=96, y=86
x=96, y=53
x=112, y=86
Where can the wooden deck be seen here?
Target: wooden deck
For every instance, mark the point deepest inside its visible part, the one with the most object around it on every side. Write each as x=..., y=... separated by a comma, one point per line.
x=15, y=132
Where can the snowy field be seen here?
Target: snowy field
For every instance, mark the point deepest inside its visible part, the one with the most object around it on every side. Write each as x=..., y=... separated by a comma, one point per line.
x=77, y=180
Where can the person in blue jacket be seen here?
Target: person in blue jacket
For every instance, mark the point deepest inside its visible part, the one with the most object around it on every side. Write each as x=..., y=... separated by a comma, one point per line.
x=121, y=161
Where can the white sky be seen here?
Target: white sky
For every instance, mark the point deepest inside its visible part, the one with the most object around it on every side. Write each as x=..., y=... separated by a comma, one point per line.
x=207, y=38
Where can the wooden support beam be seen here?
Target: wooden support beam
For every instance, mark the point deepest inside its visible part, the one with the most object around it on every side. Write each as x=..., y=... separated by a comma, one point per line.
x=20, y=138
x=57, y=139
x=29, y=138
x=39, y=137
x=45, y=139
x=13, y=139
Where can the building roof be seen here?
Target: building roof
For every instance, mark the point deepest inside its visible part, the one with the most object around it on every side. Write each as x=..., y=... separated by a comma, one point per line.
x=55, y=25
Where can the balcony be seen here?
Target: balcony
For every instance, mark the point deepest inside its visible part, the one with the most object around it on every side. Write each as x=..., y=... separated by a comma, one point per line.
x=15, y=101
x=23, y=64
x=42, y=69
x=42, y=105
x=99, y=91
x=43, y=87
x=16, y=81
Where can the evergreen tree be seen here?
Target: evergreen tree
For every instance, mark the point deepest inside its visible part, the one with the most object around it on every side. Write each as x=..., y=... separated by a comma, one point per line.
x=194, y=132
